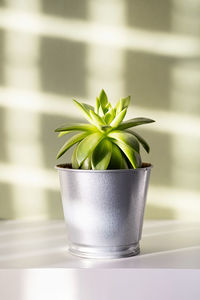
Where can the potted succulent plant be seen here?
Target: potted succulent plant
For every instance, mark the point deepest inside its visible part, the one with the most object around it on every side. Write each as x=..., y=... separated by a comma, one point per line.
x=104, y=187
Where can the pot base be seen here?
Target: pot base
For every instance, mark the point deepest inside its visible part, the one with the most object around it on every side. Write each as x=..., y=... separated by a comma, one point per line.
x=104, y=252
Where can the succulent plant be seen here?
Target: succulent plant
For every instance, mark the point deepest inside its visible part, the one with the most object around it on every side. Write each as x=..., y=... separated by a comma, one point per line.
x=106, y=141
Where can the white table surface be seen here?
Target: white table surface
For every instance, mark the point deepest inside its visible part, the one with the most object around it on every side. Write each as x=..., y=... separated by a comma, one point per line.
x=35, y=264
x=165, y=244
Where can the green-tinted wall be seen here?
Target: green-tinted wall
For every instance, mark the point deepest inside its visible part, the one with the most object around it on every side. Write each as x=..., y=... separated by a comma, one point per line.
x=52, y=51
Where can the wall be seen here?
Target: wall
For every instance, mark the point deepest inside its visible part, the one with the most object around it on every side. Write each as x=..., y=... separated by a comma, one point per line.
x=53, y=51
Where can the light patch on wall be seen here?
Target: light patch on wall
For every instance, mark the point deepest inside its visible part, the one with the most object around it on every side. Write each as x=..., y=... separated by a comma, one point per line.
x=175, y=123
x=29, y=176
x=92, y=33
x=184, y=204
x=105, y=63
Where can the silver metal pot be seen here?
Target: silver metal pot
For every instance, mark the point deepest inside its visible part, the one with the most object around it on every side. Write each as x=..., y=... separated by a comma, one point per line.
x=104, y=210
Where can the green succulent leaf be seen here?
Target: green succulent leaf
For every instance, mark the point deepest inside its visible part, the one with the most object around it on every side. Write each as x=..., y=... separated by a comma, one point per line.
x=126, y=102
x=134, y=122
x=138, y=159
x=121, y=104
x=118, y=107
x=126, y=138
x=98, y=121
x=109, y=106
x=103, y=99
x=109, y=116
x=131, y=154
x=72, y=141
x=141, y=140
x=97, y=105
x=87, y=146
x=106, y=141
x=118, y=119
x=76, y=127
x=117, y=160
x=75, y=164
x=64, y=133
x=88, y=106
x=87, y=164
x=85, y=108
x=106, y=127
x=102, y=155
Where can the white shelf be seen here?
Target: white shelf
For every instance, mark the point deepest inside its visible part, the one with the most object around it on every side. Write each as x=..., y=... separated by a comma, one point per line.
x=35, y=264
x=165, y=244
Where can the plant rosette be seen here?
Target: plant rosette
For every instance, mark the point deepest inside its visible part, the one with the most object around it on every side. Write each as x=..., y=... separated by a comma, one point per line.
x=104, y=188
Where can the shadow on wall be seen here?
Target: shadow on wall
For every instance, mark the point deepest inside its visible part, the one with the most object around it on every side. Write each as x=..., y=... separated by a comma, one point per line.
x=159, y=156
x=153, y=15
x=62, y=67
x=2, y=110
x=148, y=80
x=2, y=81
x=6, y=202
x=65, y=8
x=156, y=212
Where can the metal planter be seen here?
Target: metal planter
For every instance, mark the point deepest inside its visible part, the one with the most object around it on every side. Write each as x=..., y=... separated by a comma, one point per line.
x=104, y=210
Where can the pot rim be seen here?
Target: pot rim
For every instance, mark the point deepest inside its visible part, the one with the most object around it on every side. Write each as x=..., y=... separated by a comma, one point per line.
x=147, y=166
